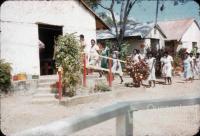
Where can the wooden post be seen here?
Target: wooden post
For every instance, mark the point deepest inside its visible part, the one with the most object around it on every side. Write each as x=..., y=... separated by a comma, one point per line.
x=110, y=72
x=59, y=83
x=84, y=70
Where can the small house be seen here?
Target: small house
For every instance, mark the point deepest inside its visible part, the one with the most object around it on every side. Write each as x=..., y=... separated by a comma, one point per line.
x=184, y=33
x=138, y=36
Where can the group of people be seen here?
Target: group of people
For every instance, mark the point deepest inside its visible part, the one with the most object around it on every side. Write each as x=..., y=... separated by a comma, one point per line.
x=97, y=55
x=191, y=63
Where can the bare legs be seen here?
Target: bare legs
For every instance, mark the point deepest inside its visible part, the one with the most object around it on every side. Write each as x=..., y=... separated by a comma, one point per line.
x=168, y=80
x=152, y=81
x=121, y=79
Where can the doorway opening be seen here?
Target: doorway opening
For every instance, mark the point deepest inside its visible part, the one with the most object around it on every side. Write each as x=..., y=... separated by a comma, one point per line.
x=47, y=36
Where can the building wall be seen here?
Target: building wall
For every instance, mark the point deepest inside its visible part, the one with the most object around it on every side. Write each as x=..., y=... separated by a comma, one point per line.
x=191, y=35
x=155, y=34
x=154, y=39
x=19, y=36
x=135, y=43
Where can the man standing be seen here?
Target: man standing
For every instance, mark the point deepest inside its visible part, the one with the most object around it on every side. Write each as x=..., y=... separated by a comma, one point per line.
x=94, y=53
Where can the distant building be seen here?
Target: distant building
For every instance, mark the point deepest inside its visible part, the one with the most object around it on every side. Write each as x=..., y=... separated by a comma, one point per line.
x=139, y=36
x=28, y=25
x=183, y=33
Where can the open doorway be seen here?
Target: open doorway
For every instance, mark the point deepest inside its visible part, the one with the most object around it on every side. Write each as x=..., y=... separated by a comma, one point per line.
x=47, y=36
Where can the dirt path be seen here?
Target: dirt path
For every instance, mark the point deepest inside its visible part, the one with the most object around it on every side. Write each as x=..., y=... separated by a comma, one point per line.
x=18, y=114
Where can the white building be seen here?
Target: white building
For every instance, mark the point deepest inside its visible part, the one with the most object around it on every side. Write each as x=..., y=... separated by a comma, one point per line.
x=183, y=33
x=25, y=23
x=139, y=36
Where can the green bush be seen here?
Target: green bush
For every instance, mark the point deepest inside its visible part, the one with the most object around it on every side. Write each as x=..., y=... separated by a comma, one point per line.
x=5, y=76
x=101, y=87
x=178, y=57
x=68, y=56
x=124, y=51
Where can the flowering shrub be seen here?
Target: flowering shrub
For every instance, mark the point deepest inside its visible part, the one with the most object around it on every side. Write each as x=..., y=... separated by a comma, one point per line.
x=68, y=56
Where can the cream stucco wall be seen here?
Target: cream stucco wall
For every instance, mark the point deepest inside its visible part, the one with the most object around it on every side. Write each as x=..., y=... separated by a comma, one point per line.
x=19, y=36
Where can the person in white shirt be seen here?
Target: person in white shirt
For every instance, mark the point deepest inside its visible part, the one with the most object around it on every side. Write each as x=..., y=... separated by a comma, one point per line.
x=136, y=57
x=192, y=59
x=116, y=67
x=187, y=66
x=94, y=53
x=151, y=64
x=197, y=64
x=166, y=64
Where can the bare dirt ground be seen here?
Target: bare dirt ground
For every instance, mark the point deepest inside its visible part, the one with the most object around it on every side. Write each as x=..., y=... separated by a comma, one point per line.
x=18, y=113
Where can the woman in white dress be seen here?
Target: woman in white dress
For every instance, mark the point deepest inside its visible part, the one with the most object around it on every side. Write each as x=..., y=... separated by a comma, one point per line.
x=116, y=67
x=166, y=63
x=151, y=64
x=187, y=66
x=197, y=64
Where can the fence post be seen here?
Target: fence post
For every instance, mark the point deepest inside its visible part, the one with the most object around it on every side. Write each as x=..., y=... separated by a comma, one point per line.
x=110, y=72
x=59, y=83
x=84, y=70
x=124, y=125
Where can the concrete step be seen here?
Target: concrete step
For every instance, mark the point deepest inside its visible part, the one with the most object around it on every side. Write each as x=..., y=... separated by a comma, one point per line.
x=51, y=81
x=49, y=77
x=47, y=84
x=46, y=90
x=45, y=101
x=45, y=95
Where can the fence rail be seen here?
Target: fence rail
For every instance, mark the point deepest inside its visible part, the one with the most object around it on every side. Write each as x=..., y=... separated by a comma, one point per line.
x=122, y=111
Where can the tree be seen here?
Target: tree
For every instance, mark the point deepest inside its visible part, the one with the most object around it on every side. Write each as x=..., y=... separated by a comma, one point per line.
x=126, y=6
x=107, y=19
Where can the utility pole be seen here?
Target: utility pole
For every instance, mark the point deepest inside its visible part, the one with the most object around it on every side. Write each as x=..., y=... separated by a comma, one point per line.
x=157, y=4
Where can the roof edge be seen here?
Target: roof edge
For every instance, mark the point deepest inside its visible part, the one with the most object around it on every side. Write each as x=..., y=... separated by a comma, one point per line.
x=193, y=20
x=96, y=16
x=159, y=29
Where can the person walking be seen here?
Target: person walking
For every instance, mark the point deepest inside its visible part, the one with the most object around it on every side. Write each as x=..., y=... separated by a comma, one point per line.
x=93, y=53
x=151, y=61
x=166, y=62
x=116, y=67
x=105, y=52
x=192, y=59
x=197, y=64
x=187, y=66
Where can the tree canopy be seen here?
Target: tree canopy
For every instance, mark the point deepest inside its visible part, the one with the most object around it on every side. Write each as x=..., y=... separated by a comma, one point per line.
x=126, y=7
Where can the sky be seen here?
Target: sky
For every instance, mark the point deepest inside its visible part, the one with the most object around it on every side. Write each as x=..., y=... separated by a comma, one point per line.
x=145, y=11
